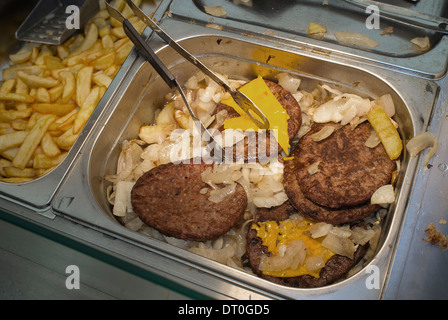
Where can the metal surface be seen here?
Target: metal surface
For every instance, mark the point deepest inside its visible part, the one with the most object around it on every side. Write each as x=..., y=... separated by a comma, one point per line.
x=239, y=57
x=405, y=16
x=80, y=211
x=287, y=21
x=47, y=22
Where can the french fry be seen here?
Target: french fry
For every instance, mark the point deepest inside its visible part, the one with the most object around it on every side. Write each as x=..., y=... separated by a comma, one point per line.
x=118, y=32
x=86, y=110
x=4, y=163
x=12, y=140
x=44, y=52
x=42, y=161
x=21, y=87
x=53, y=62
x=386, y=131
x=69, y=83
x=63, y=51
x=83, y=83
x=42, y=95
x=17, y=97
x=8, y=85
x=49, y=147
x=14, y=172
x=104, y=62
x=10, y=115
x=58, y=109
x=90, y=39
x=107, y=42
x=37, y=81
x=67, y=139
x=9, y=154
x=32, y=140
x=24, y=54
x=11, y=73
x=123, y=52
x=102, y=80
x=19, y=124
x=56, y=92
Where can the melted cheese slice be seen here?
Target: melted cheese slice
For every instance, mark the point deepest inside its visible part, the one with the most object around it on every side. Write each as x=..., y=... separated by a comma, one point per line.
x=264, y=99
x=276, y=234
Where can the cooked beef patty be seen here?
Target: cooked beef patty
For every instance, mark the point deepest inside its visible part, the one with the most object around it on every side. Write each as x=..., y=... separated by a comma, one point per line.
x=345, y=172
x=262, y=145
x=318, y=213
x=168, y=198
x=335, y=268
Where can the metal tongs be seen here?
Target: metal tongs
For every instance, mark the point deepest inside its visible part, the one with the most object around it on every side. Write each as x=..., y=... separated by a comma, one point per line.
x=241, y=99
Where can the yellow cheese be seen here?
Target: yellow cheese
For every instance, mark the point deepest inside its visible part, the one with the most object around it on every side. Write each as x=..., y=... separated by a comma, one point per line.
x=275, y=234
x=264, y=99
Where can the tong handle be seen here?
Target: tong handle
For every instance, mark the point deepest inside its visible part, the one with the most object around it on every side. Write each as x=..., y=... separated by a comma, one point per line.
x=144, y=49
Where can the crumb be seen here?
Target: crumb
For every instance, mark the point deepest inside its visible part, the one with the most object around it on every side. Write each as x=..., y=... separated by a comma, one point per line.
x=442, y=221
x=388, y=31
x=436, y=237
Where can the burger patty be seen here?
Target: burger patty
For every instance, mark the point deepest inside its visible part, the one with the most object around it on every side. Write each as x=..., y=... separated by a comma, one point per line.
x=168, y=198
x=346, y=172
x=318, y=213
x=335, y=268
x=288, y=102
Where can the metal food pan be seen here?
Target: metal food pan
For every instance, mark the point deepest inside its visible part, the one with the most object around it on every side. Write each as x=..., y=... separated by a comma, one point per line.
x=39, y=192
x=288, y=20
x=82, y=196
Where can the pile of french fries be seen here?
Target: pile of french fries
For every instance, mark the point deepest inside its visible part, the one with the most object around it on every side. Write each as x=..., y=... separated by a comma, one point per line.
x=49, y=92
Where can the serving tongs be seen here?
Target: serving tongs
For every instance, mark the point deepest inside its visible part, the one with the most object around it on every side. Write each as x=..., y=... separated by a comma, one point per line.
x=142, y=46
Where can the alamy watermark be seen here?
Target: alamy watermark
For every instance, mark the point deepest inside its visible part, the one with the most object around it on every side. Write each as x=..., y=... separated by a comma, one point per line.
x=373, y=20
x=73, y=20
x=373, y=278
x=73, y=279
x=228, y=146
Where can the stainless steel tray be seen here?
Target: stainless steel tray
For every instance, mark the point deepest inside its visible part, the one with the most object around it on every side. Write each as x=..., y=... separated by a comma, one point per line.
x=288, y=21
x=38, y=193
x=82, y=196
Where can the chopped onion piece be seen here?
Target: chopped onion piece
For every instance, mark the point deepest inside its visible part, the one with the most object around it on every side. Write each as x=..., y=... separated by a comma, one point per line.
x=319, y=229
x=323, y=133
x=220, y=255
x=218, y=195
x=387, y=103
x=314, y=263
x=122, y=202
x=217, y=11
x=342, y=246
x=383, y=195
x=422, y=43
x=293, y=256
x=288, y=82
x=355, y=38
x=316, y=31
x=420, y=142
x=373, y=140
x=313, y=168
